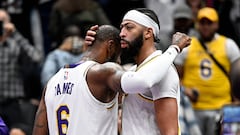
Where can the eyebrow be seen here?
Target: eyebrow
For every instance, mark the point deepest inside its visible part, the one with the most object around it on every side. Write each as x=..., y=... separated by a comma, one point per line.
x=122, y=25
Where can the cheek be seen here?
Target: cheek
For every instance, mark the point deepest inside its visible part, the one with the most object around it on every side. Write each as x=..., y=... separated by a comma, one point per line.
x=133, y=35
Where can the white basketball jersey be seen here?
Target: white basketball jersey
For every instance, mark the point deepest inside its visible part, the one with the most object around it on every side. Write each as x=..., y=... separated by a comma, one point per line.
x=73, y=110
x=138, y=116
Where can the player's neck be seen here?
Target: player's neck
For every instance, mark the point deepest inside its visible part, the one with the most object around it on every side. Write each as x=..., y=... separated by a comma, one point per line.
x=145, y=51
x=88, y=56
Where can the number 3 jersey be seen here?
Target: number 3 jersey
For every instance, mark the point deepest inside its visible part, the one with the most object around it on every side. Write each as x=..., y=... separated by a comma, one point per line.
x=73, y=110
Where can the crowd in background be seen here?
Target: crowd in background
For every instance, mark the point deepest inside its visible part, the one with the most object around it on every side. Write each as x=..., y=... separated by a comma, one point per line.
x=52, y=32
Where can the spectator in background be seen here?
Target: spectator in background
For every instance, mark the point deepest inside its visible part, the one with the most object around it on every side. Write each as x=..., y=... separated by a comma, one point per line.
x=195, y=5
x=16, y=52
x=183, y=21
x=20, y=11
x=200, y=74
x=85, y=13
x=68, y=52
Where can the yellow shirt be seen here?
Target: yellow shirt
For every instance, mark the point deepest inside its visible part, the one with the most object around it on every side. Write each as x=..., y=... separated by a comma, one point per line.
x=201, y=73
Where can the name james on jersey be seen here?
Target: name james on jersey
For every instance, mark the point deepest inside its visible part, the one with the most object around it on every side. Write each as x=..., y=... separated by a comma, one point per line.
x=66, y=88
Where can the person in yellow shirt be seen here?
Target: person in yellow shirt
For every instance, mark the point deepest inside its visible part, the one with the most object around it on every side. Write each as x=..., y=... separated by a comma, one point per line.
x=207, y=85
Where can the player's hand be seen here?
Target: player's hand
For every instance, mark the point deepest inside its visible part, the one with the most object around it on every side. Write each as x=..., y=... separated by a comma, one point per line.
x=90, y=36
x=181, y=40
x=9, y=28
x=192, y=94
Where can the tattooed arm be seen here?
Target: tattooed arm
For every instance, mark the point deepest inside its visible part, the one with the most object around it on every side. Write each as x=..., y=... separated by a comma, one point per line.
x=41, y=124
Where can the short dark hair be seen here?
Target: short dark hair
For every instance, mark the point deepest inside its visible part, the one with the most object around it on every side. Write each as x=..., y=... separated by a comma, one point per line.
x=108, y=32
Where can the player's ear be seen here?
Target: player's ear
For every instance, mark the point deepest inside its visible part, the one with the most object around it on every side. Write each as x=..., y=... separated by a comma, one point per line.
x=110, y=48
x=147, y=33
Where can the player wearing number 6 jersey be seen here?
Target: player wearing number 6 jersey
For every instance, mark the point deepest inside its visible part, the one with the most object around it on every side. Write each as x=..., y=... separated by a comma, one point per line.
x=200, y=73
x=73, y=109
x=82, y=98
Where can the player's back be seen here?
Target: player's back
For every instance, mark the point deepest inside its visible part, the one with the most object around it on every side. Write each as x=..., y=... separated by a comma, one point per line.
x=71, y=107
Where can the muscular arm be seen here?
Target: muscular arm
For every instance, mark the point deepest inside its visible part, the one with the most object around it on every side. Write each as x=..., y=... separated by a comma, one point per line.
x=107, y=75
x=40, y=125
x=152, y=72
x=115, y=78
x=149, y=74
x=167, y=116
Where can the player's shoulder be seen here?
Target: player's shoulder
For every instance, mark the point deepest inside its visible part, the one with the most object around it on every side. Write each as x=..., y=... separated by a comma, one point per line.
x=172, y=72
x=111, y=66
x=104, y=69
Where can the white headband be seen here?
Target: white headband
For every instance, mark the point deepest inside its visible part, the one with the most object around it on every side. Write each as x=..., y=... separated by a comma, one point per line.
x=142, y=19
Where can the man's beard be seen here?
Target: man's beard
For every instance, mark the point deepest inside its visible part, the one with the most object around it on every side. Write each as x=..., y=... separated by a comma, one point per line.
x=133, y=49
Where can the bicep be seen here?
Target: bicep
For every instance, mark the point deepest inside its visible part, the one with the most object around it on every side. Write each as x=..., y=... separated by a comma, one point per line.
x=166, y=110
x=106, y=75
x=114, y=78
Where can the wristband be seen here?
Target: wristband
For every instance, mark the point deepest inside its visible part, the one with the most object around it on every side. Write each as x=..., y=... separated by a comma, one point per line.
x=176, y=47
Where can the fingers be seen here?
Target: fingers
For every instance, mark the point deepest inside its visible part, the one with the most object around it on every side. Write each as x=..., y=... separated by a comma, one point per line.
x=181, y=40
x=9, y=28
x=90, y=36
x=188, y=41
x=88, y=40
x=91, y=33
x=94, y=27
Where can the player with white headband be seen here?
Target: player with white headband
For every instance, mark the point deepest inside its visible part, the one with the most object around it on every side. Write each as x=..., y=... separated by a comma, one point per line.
x=144, y=20
x=154, y=111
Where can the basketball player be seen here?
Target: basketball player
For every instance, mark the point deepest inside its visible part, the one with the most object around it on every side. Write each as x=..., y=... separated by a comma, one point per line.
x=83, y=98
